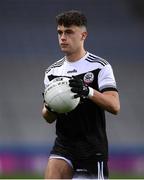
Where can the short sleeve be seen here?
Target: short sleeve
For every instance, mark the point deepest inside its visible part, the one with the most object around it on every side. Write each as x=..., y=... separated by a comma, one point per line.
x=46, y=80
x=106, y=79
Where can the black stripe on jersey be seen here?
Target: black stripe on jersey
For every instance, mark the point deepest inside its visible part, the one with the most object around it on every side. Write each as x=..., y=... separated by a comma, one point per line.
x=109, y=89
x=101, y=59
x=51, y=77
x=95, y=60
x=56, y=64
x=92, y=57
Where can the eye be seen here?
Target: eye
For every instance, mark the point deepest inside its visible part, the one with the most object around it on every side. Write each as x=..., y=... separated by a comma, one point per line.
x=59, y=32
x=69, y=31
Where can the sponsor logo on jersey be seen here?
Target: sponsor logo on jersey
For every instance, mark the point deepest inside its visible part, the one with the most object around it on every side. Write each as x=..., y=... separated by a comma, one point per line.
x=72, y=71
x=88, y=77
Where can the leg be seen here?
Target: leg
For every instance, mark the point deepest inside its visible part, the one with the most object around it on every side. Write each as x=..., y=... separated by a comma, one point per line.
x=58, y=169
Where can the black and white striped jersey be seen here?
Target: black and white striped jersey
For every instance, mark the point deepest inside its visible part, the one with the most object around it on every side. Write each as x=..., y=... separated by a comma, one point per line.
x=86, y=67
x=87, y=121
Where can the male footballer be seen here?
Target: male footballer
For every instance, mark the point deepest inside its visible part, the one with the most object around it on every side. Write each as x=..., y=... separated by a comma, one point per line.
x=81, y=145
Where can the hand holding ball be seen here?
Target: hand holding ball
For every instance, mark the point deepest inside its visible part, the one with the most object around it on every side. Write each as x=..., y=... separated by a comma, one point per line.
x=59, y=97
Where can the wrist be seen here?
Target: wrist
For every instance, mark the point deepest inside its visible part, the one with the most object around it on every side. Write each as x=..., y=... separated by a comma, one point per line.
x=48, y=108
x=91, y=92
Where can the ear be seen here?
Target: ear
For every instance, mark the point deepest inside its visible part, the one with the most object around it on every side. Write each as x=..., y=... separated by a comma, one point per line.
x=84, y=35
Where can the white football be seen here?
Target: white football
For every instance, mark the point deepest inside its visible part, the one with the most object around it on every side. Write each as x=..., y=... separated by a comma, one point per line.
x=59, y=97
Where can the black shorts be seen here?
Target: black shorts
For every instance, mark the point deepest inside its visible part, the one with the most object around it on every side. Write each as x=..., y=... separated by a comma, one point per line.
x=91, y=170
x=88, y=167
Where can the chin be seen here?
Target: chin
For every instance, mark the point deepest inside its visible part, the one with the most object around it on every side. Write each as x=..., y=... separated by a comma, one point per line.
x=65, y=50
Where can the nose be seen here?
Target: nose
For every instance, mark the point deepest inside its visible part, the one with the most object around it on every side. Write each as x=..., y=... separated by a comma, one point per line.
x=63, y=37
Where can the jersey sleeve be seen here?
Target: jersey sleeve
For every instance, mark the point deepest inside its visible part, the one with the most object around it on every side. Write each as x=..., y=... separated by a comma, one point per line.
x=106, y=79
x=46, y=80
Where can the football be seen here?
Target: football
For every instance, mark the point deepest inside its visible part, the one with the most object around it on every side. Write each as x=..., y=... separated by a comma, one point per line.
x=59, y=97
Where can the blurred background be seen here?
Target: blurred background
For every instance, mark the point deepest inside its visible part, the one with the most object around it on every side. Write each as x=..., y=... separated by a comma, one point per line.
x=28, y=45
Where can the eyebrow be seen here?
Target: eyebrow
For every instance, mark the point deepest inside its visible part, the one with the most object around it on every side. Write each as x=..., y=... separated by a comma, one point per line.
x=66, y=30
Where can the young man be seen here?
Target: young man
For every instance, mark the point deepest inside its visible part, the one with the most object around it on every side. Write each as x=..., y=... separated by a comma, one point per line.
x=81, y=145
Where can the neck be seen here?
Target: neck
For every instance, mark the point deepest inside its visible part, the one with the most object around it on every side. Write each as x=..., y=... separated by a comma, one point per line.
x=72, y=57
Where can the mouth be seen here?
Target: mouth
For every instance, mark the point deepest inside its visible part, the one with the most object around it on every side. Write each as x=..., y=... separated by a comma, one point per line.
x=64, y=45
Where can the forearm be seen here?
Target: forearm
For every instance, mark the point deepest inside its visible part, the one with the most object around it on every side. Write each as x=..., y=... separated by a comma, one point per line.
x=47, y=115
x=108, y=100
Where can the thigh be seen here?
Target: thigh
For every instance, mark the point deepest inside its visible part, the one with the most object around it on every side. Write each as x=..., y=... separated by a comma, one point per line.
x=58, y=169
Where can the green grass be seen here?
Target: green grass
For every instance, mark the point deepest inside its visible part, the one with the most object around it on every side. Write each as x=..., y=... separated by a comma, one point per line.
x=125, y=176
x=21, y=176
x=37, y=176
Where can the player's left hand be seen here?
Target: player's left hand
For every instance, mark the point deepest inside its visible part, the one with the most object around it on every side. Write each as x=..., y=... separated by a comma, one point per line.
x=80, y=88
x=47, y=107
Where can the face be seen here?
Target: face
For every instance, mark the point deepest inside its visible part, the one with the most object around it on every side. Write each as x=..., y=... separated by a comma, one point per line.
x=71, y=38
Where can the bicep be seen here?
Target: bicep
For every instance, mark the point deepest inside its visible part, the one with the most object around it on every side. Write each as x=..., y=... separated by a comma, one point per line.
x=106, y=79
x=112, y=94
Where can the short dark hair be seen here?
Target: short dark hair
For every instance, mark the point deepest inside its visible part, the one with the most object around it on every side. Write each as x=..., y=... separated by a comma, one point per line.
x=72, y=17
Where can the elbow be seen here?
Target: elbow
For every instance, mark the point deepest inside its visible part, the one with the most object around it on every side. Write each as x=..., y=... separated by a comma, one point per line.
x=49, y=117
x=48, y=120
x=116, y=110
